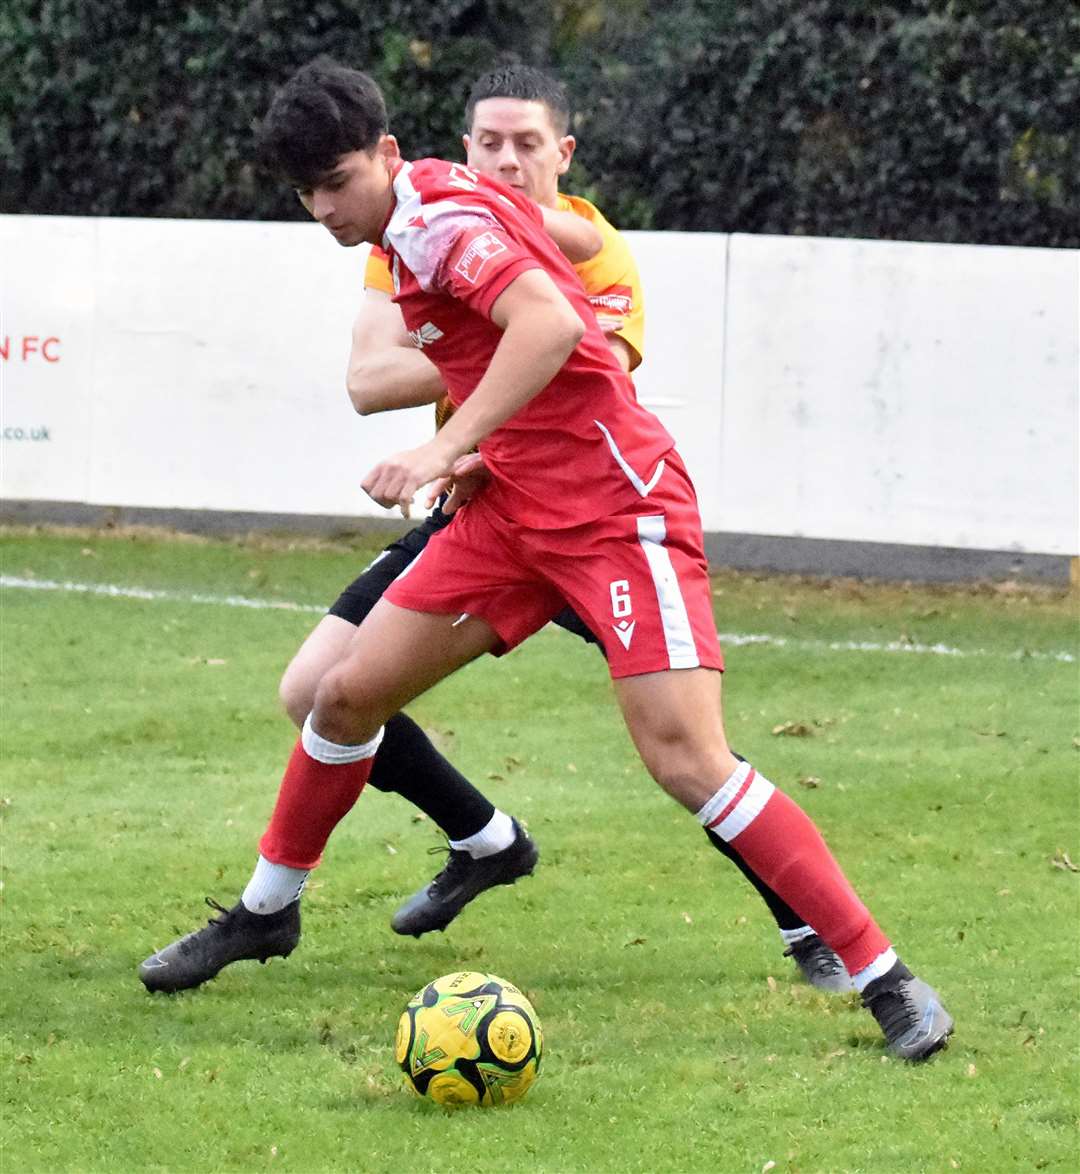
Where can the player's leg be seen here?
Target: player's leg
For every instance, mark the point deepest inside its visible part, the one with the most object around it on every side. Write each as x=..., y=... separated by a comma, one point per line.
x=675, y=721
x=394, y=656
x=323, y=647
x=516, y=604
x=487, y=847
x=816, y=962
x=641, y=583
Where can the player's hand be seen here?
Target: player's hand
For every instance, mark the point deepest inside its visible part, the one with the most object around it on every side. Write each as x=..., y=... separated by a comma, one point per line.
x=467, y=478
x=395, y=481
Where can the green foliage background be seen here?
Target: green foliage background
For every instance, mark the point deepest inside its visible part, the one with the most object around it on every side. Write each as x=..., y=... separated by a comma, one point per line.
x=946, y=120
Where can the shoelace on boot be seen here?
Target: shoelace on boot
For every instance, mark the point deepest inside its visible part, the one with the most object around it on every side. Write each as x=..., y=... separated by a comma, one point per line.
x=220, y=908
x=824, y=959
x=455, y=863
x=893, y=1011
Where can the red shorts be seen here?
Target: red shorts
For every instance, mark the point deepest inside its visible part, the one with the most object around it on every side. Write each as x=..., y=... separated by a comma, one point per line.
x=638, y=579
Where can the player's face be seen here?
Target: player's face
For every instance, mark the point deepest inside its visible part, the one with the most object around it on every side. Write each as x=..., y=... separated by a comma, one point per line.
x=352, y=200
x=515, y=141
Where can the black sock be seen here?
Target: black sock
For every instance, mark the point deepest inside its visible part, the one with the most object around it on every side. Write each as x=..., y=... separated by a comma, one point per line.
x=786, y=917
x=409, y=764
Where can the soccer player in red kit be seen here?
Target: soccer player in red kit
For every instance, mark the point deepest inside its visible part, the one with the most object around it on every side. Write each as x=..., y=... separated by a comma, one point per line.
x=518, y=121
x=588, y=503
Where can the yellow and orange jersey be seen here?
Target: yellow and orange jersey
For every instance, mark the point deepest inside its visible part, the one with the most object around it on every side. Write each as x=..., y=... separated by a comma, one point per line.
x=377, y=272
x=611, y=281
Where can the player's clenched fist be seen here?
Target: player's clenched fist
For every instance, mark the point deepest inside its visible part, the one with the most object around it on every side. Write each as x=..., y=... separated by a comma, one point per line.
x=394, y=482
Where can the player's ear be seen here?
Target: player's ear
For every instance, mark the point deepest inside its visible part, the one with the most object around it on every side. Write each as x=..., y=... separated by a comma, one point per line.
x=466, y=141
x=566, y=152
x=387, y=147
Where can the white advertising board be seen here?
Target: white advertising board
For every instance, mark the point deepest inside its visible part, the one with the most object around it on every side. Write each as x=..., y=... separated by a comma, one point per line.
x=48, y=302
x=897, y=392
x=202, y=366
x=856, y=390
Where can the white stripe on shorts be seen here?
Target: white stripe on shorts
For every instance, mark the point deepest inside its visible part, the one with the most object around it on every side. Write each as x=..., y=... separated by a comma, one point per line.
x=682, y=652
x=409, y=565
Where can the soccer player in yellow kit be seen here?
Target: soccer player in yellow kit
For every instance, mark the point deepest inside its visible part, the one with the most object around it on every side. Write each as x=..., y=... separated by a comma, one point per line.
x=518, y=122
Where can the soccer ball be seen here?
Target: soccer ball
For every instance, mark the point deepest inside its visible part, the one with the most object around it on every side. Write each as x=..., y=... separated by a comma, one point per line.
x=469, y=1039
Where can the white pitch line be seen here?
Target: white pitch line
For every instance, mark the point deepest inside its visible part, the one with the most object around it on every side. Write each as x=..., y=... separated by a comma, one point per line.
x=732, y=639
x=149, y=593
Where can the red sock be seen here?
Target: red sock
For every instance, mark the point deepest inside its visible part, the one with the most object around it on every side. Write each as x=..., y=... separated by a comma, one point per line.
x=313, y=799
x=781, y=844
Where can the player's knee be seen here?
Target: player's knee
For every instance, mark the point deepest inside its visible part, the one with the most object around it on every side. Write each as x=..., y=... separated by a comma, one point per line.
x=342, y=701
x=297, y=694
x=689, y=769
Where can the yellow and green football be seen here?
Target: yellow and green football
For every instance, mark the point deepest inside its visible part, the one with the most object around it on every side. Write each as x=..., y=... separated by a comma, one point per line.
x=469, y=1039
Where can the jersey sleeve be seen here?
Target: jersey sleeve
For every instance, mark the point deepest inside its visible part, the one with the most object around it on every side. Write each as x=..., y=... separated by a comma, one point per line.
x=377, y=271
x=612, y=282
x=481, y=264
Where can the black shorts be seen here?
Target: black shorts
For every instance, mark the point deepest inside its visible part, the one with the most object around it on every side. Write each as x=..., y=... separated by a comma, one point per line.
x=361, y=595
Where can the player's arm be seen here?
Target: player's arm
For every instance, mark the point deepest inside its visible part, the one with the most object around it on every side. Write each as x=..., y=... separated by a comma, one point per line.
x=578, y=239
x=386, y=370
x=540, y=331
x=622, y=351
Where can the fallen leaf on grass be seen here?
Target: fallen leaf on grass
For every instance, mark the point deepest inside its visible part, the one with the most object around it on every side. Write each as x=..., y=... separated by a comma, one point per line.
x=1061, y=860
x=157, y=1073
x=972, y=1070
x=635, y=941
x=794, y=729
x=809, y=781
x=390, y=849
x=770, y=982
x=767, y=1167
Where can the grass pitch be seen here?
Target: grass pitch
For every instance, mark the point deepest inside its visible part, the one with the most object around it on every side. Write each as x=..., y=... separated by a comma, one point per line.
x=931, y=733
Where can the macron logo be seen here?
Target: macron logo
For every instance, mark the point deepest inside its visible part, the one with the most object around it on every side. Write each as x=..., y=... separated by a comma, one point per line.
x=625, y=631
x=427, y=334
x=478, y=252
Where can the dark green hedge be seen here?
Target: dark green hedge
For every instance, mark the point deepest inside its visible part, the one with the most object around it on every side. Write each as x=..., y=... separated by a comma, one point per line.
x=945, y=120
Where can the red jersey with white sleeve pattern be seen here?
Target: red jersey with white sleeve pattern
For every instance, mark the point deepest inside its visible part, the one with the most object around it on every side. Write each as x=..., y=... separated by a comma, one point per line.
x=583, y=447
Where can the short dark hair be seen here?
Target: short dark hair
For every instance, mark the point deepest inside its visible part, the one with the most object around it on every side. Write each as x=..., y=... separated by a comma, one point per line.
x=525, y=83
x=322, y=112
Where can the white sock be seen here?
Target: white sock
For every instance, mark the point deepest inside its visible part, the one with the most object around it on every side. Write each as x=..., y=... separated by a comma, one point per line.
x=882, y=964
x=498, y=833
x=791, y=936
x=273, y=886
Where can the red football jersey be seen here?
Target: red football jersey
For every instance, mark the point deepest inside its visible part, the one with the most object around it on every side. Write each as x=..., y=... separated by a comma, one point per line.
x=583, y=447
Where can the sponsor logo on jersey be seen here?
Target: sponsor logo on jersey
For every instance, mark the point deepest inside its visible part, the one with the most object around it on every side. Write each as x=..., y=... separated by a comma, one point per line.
x=618, y=299
x=478, y=253
x=427, y=334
